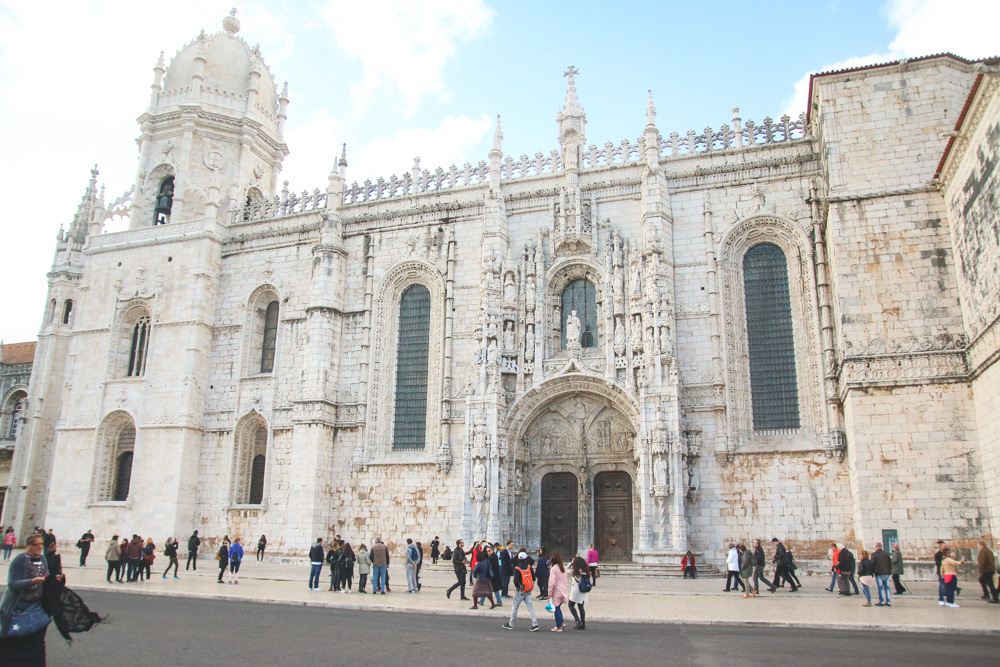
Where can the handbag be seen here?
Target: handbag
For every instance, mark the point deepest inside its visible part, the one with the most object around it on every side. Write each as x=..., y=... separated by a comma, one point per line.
x=29, y=620
x=549, y=608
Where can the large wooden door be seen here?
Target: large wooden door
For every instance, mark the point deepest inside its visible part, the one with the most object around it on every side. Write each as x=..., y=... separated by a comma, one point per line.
x=559, y=513
x=613, y=516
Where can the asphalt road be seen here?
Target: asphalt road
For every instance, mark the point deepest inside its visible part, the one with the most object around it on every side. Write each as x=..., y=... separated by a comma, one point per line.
x=158, y=630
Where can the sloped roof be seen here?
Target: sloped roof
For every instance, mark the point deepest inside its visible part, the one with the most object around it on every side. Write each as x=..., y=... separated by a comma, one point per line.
x=18, y=353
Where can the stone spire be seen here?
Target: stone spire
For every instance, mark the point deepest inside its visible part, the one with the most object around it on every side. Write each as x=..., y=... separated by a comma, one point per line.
x=652, y=135
x=85, y=211
x=496, y=155
x=572, y=124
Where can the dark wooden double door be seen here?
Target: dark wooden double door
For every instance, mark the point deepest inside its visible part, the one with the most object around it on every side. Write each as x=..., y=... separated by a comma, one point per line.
x=612, y=514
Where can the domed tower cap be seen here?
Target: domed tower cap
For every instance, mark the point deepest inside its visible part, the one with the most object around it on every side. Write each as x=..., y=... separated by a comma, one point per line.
x=231, y=24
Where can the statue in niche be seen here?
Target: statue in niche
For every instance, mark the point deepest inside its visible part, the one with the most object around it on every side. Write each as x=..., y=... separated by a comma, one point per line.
x=529, y=344
x=660, y=468
x=619, y=281
x=573, y=328
x=477, y=353
x=509, y=290
x=693, y=480
x=491, y=352
x=479, y=431
x=508, y=336
x=479, y=480
x=619, y=336
x=519, y=476
x=502, y=477
x=529, y=292
x=637, y=280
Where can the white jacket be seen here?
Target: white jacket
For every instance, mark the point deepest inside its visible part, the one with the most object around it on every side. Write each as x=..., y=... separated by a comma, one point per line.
x=733, y=560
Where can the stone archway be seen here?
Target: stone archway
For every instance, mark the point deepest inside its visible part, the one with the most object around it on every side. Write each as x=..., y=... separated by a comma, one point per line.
x=561, y=445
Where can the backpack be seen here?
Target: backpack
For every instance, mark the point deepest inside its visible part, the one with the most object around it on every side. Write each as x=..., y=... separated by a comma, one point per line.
x=527, y=583
x=584, y=584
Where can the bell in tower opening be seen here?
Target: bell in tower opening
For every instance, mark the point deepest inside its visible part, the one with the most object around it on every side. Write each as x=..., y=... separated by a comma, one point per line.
x=164, y=201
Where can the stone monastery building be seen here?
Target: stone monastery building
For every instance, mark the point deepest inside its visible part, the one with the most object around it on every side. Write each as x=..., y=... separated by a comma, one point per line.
x=782, y=328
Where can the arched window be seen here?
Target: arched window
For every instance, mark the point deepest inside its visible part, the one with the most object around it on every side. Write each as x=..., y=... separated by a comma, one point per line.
x=773, y=380
x=67, y=311
x=52, y=311
x=139, y=348
x=250, y=461
x=116, y=447
x=13, y=415
x=270, y=338
x=580, y=296
x=409, y=427
x=164, y=201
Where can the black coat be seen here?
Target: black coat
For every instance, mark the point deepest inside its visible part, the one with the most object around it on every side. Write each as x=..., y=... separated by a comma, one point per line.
x=495, y=571
x=846, y=562
x=458, y=559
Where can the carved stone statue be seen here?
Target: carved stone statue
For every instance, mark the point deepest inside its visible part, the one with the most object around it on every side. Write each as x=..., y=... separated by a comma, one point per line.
x=508, y=336
x=619, y=336
x=509, y=290
x=660, y=468
x=529, y=292
x=491, y=352
x=479, y=476
x=572, y=328
x=529, y=344
x=477, y=353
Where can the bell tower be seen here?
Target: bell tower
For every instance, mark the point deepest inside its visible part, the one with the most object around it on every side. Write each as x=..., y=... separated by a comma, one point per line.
x=213, y=131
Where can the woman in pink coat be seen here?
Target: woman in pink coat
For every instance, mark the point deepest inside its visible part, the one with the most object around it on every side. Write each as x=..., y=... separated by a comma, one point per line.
x=558, y=588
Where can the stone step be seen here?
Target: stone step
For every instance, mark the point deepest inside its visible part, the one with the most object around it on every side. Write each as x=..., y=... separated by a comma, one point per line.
x=640, y=570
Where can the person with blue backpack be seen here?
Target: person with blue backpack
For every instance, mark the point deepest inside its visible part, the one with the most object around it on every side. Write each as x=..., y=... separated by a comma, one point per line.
x=578, y=592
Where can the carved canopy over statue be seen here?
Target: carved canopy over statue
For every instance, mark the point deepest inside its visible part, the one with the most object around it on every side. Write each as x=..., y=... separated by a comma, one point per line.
x=580, y=425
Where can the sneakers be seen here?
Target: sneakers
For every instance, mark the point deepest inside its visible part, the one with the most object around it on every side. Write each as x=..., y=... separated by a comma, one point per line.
x=951, y=604
x=507, y=626
x=941, y=603
x=534, y=628
x=559, y=629
x=164, y=576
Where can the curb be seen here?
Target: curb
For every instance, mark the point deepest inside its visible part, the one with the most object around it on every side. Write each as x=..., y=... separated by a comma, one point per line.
x=927, y=629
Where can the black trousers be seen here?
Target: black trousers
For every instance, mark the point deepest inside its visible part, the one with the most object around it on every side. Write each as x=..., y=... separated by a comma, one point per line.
x=192, y=560
x=730, y=576
x=899, y=587
x=362, y=580
x=114, y=566
x=84, y=552
x=781, y=573
x=460, y=575
x=986, y=581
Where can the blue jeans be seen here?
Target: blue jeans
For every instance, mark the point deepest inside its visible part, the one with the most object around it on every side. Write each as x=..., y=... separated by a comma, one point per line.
x=867, y=592
x=559, y=616
x=6, y=550
x=504, y=584
x=378, y=578
x=940, y=588
x=314, y=573
x=833, y=581
x=882, y=580
x=949, y=589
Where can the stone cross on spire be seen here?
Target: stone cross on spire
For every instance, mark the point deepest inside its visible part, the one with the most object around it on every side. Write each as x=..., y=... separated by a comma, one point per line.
x=572, y=123
x=572, y=103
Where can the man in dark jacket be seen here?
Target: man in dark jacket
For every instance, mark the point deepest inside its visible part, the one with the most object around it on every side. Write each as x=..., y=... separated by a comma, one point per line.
x=506, y=567
x=780, y=561
x=760, y=560
x=316, y=563
x=134, y=557
x=458, y=562
x=987, y=568
x=846, y=566
x=882, y=567
x=193, y=543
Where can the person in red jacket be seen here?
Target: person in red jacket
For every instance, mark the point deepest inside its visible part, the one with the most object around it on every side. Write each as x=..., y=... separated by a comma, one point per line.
x=833, y=568
x=688, y=566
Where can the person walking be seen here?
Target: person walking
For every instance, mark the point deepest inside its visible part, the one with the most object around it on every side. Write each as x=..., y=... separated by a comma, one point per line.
x=113, y=555
x=435, y=553
x=578, y=590
x=458, y=563
x=315, y=563
x=84, y=544
x=846, y=566
x=760, y=559
x=420, y=563
x=347, y=560
x=896, y=561
x=987, y=569
x=559, y=592
x=364, y=568
x=835, y=552
x=780, y=567
x=235, y=558
x=9, y=540
x=688, y=567
x=746, y=568
x=25, y=577
x=49, y=539
x=523, y=585
x=865, y=575
x=170, y=551
x=790, y=564
x=732, y=569
x=54, y=560
x=938, y=557
x=148, y=556
x=494, y=556
x=193, y=543
x=483, y=578
x=592, y=564
x=379, y=555
x=222, y=555
x=261, y=545
x=882, y=568
x=412, y=558
x=542, y=571
x=949, y=572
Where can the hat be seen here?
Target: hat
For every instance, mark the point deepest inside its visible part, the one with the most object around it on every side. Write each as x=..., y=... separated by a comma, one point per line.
x=522, y=556
x=774, y=539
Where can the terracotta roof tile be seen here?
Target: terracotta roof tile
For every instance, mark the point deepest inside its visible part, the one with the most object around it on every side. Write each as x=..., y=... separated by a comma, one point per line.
x=18, y=353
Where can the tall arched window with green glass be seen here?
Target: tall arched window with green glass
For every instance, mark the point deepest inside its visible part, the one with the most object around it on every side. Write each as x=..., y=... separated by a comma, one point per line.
x=409, y=424
x=773, y=380
x=270, y=338
x=580, y=296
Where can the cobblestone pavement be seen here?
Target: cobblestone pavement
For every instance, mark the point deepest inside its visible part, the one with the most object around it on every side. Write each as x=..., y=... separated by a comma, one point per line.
x=635, y=599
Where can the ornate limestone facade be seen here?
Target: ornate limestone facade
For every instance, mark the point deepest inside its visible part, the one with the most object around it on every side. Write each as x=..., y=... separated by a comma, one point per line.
x=653, y=346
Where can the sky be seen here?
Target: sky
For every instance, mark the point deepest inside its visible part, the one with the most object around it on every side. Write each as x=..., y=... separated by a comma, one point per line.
x=396, y=79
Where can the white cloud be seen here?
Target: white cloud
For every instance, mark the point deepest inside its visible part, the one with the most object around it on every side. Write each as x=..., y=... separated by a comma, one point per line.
x=403, y=45
x=967, y=28
x=451, y=142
